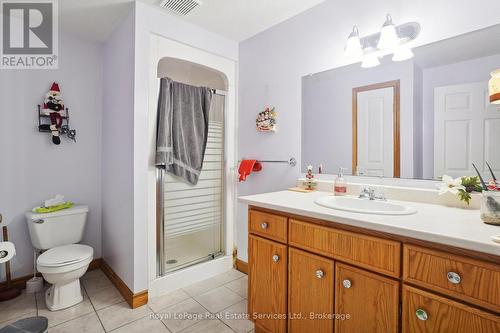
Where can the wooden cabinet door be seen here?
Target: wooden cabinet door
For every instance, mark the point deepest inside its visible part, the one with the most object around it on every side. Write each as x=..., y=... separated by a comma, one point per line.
x=470, y=280
x=267, y=297
x=310, y=291
x=425, y=312
x=371, y=301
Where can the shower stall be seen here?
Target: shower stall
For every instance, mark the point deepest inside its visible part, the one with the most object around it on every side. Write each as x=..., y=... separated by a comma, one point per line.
x=191, y=228
x=191, y=218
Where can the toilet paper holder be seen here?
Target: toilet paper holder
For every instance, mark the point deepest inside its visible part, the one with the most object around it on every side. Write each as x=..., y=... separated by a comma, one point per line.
x=10, y=292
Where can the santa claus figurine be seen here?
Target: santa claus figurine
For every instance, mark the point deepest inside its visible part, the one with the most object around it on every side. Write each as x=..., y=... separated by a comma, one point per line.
x=53, y=100
x=53, y=106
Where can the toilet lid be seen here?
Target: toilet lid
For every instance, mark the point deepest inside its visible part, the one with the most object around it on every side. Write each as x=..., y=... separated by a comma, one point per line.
x=64, y=255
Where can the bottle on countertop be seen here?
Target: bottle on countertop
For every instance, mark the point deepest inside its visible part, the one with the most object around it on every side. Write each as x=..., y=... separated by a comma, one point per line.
x=340, y=184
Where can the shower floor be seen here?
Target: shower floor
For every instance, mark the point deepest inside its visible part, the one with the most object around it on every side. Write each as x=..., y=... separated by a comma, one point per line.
x=180, y=257
x=188, y=249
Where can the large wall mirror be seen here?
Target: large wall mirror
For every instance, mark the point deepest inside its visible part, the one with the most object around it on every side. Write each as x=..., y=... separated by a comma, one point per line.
x=420, y=118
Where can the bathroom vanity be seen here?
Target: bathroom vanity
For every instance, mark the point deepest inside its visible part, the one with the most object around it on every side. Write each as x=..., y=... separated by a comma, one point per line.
x=314, y=269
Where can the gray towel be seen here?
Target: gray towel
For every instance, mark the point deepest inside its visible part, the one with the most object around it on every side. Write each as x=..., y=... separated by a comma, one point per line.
x=182, y=128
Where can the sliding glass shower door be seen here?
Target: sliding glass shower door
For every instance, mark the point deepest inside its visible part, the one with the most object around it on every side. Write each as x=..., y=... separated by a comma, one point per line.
x=191, y=218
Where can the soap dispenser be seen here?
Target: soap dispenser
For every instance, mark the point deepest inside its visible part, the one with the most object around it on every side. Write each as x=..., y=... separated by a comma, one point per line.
x=340, y=184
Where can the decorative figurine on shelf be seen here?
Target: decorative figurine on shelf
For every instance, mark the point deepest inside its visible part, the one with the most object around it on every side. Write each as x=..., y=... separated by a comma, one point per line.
x=309, y=183
x=53, y=108
x=266, y=120
x=53, y=101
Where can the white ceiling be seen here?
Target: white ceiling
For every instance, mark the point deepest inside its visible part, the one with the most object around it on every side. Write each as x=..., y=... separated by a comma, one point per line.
x=234, y=19
x=92, y=19
x=242, y=19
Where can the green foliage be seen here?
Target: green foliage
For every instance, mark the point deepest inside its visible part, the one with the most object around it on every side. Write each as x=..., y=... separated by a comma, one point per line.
x=471, y=184
x=464, y=196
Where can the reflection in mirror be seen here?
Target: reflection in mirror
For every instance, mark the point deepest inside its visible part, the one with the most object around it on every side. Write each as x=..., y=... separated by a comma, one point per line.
x=375, y=130
x=420, y=118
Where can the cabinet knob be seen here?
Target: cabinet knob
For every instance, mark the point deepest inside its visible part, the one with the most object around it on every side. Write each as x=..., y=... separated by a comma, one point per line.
x=320, y=274
x=453, y=277
x=264, y=225
x=347, y=284
x=1, y=218
x=421, y=314
x=276, y=258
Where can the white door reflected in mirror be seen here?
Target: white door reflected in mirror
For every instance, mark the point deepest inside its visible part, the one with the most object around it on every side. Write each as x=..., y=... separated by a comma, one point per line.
x=375, y=132
x=466, y=130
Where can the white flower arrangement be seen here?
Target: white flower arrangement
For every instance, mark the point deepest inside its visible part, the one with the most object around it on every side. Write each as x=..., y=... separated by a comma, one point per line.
x=451, y=185
x=462, y=187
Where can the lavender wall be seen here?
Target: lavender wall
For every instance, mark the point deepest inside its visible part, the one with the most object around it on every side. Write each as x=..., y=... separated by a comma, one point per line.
x=33, y=169
x=417, y=123
x=118, y=152
x=273, y=62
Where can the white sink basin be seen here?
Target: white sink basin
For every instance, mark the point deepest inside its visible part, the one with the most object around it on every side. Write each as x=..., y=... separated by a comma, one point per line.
x=365, y=206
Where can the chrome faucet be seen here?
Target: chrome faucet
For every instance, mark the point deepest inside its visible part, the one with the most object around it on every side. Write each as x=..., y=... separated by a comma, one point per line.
x=371, y=193
x=367, y=192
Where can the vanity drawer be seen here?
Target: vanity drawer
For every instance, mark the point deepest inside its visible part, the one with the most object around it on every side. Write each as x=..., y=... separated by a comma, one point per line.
x=377, y=254
x=425, y=312
x=466, y=279
x=268, y=225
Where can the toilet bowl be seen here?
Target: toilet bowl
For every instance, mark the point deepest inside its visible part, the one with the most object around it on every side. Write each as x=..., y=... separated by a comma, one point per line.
x=63, y=266
x=63, y=261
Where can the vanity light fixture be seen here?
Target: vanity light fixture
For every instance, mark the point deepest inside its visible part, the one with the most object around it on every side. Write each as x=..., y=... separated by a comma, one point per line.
x=494, y=87
x=402, y=53
x=353, y=47
x=389, y=39
x=370, y=60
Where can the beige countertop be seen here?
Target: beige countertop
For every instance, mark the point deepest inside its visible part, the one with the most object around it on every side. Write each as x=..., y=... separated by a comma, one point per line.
x=434, y=223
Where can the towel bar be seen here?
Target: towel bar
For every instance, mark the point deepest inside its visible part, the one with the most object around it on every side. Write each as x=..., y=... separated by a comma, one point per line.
x=292, y=161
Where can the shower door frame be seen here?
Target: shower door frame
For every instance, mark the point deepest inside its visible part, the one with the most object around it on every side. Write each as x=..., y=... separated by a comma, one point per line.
x=161, y=47
x=160, y=205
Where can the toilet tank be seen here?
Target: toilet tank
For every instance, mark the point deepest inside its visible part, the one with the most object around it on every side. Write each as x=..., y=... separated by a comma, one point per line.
x=63, y=227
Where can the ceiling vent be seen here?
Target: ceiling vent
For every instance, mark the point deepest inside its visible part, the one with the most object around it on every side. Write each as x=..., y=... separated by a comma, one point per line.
x=180, y=7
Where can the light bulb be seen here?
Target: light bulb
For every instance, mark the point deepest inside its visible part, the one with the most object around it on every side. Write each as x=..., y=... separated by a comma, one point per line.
x=402, y=53
x=353, y=47
x=370, y=60
x=389, y=39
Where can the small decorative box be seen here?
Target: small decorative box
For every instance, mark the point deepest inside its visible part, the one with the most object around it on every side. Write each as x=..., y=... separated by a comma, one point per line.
x=490, y=207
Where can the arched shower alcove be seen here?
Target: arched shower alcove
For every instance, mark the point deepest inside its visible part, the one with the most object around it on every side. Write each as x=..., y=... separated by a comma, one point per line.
x=193, y=225
x=191, y=218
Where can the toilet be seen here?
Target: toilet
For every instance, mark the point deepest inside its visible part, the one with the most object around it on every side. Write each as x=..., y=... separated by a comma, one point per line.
x=63, y=261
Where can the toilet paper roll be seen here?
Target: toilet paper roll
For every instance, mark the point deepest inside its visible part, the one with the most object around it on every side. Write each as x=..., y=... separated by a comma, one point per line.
x=7, y=251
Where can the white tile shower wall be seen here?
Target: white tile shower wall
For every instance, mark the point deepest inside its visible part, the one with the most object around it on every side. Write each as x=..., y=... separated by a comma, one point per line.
x=31, y=167
x=272, y=63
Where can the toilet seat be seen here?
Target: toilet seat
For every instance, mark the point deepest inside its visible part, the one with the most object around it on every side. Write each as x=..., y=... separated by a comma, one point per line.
x=65, y=258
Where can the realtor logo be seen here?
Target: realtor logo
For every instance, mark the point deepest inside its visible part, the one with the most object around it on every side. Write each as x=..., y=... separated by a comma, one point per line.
x=29, y=34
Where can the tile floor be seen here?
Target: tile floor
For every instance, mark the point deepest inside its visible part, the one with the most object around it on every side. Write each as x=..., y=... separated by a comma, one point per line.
x=215, y=305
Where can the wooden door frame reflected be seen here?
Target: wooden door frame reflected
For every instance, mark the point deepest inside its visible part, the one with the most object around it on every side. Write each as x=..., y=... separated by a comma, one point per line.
x=396, y=123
